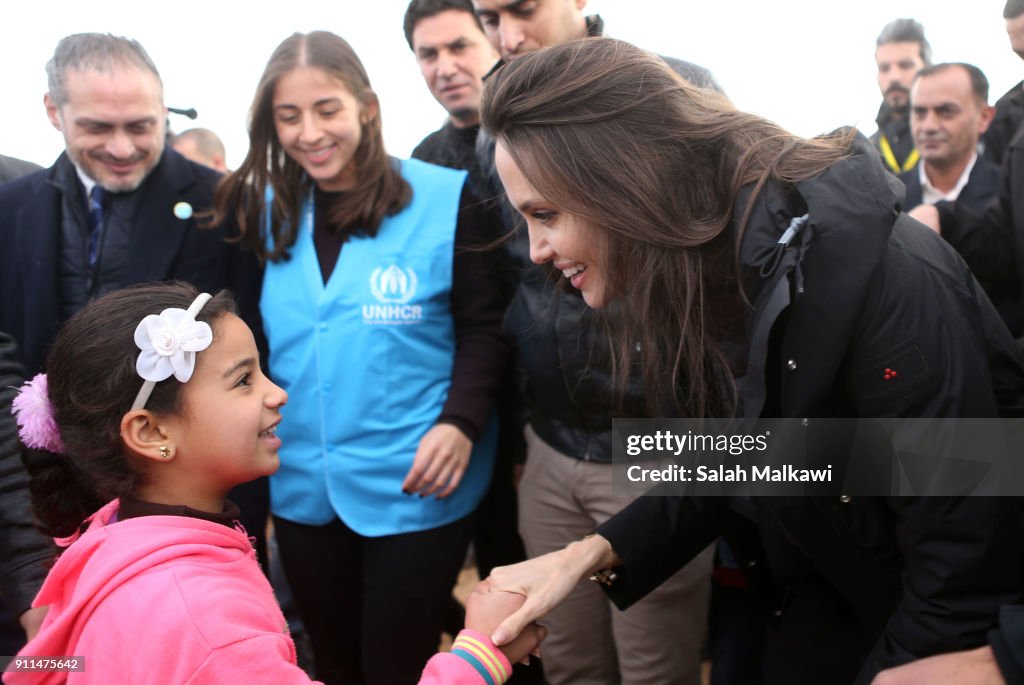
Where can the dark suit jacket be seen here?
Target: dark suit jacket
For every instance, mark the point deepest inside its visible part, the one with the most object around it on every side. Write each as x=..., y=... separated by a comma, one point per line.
x=981, y=187
x=12, y=168
x=24, y=551
x=992, y=241
x=163, y=247
x=1009, y=115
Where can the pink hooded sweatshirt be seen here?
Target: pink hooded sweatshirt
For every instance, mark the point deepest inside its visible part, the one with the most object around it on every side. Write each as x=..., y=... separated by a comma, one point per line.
x=173, y=599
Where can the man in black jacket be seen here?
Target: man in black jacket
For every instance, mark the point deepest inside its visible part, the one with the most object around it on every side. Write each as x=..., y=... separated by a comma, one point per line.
x=992, y=241
x=949, y=112
x=453, y=55
x=23, y=549
x=901, y=51
x=12, y=168
x=1010, y=107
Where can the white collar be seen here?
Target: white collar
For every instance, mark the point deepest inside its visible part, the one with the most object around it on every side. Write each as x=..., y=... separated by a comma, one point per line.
x=930, y=194
x=85, y=179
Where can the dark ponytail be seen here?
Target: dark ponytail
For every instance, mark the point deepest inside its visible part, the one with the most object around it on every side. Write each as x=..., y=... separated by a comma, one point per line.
x=59, y=498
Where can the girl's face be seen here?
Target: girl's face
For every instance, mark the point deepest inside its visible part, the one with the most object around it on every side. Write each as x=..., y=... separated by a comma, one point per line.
x=226, y=430
x=319, y=123
x=556, y=236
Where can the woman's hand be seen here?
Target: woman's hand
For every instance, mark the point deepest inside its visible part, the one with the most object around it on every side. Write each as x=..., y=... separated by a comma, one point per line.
x=441, y=460
x=973, y=667
x=486, y=608
x=546, y=580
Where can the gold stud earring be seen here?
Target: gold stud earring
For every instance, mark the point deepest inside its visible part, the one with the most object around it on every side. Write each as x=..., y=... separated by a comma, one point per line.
x=165, y=452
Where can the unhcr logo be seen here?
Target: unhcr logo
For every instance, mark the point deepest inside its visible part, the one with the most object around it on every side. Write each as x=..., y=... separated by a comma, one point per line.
x=393, y=288
x=393, y=285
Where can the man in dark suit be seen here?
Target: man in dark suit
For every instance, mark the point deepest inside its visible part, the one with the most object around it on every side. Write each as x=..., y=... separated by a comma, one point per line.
x=949, y=113
x=1010, y=107
x=12, y=167
x=203, y=146
x=22, y=547
x=116, y=208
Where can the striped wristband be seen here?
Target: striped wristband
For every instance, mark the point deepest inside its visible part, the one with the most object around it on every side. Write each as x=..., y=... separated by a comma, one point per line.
x=477, y=650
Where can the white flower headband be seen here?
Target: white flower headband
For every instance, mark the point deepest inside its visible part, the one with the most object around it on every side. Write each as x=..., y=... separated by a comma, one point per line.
x=169, y=343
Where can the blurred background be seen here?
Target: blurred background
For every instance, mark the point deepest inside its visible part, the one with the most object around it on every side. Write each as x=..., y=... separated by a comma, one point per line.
x=806, y=64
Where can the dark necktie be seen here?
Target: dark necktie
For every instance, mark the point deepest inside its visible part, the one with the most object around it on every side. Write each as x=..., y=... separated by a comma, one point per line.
x=95, y=223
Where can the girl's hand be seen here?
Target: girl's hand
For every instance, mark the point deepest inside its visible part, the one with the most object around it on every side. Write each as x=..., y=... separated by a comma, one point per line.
x=32, y=620
x=545, y=581
x=440, y=462
x=486, y=608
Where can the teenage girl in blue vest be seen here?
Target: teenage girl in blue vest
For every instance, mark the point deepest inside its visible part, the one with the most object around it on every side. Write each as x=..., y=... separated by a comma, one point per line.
x=387, y=337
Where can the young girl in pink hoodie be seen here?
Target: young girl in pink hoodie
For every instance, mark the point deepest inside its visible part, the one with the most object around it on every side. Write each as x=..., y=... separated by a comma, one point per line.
x=154, y=406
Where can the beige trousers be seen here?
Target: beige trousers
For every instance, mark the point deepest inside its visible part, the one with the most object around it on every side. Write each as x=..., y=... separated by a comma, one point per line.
x=658, y=640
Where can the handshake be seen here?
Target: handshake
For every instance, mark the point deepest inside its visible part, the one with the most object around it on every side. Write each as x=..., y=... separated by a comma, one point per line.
x=487, y=607
x=506, y=605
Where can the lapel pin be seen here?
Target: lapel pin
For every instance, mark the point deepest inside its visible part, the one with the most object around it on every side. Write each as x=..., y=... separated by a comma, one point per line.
x=183, y=210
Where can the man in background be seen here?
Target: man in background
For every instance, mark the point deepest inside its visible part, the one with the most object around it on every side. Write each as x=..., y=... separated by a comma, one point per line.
x=901, y=51
x=202, y=146
x=12, y=168
x=115, y=209
x=949, y=113
x=518, y=27
x=1010, y=107
x=453, y=55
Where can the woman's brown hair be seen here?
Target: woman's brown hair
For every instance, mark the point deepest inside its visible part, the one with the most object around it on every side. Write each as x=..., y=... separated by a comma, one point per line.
x=379, y=191
x=609, y=133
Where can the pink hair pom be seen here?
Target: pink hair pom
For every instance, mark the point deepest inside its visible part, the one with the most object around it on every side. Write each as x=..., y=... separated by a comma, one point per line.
x=36, y=424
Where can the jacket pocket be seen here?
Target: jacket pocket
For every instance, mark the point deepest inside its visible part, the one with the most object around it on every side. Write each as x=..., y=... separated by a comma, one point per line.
x=883, y=383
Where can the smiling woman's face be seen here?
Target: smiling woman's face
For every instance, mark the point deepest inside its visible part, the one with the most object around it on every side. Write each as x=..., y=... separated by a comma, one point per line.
x=319, y=123
x=555, y=235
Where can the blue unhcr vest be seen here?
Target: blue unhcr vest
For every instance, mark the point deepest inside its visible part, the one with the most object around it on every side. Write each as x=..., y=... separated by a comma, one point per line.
x=367, y=361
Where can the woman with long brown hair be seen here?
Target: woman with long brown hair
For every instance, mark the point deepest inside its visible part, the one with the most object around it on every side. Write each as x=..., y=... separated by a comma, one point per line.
x=386, y=333
x=749, y=273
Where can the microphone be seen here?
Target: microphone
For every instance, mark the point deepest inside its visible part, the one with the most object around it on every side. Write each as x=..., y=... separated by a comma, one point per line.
x=191, y=112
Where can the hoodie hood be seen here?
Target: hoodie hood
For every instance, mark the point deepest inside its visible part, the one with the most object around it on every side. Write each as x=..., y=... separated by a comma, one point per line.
x=853, y=203
x=851, y=208
x=108, y=556
x=827, y=267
